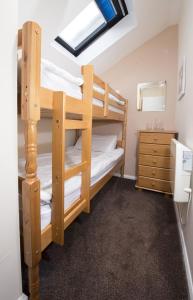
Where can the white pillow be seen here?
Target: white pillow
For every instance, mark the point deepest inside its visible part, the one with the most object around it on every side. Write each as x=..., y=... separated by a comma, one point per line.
x=49, y=66
x=54, y=82
x=100, y=143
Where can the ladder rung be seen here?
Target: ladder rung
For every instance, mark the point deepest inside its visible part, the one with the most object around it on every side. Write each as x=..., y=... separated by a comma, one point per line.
x=75, y=170
x=74, y=124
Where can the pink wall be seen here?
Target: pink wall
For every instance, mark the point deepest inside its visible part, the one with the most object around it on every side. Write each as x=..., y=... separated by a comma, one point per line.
x=155, y=60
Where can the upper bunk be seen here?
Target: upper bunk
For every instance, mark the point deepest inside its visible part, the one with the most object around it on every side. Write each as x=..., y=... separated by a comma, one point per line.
x=107, y=104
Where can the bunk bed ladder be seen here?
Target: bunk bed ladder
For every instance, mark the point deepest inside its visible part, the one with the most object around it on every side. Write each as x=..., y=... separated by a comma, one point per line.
x=61, y=219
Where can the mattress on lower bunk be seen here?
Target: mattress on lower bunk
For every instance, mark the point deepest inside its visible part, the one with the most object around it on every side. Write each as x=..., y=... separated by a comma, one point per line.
x=55, y=78
x=101, y=164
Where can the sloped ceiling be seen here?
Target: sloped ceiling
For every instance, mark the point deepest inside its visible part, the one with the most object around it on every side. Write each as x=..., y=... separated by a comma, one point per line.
x=149, y=17
x=153, y=16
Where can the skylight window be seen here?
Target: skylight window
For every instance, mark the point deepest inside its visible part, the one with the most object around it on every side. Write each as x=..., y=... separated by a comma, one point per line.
x=95, y=19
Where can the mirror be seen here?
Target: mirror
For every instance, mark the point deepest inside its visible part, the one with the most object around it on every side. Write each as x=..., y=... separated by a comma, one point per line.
x=151, y=96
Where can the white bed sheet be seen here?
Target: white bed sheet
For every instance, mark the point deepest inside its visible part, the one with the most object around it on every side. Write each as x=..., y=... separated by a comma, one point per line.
x=51, y=78
x=100, y=165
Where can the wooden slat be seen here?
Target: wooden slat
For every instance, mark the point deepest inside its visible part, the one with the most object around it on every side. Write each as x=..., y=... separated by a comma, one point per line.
x=75, y=124
x=75, y=170
x=98, y=96
x=46, y=98
x=111, y=91
x=46, y=237
x=74, y=213
x=112, y=115
x=98, y=81
x=75, y=106
x=98, y=112
x=97, y=186
x=74, y=204
x=19, y=39
x=58, y=162
x=117, y=105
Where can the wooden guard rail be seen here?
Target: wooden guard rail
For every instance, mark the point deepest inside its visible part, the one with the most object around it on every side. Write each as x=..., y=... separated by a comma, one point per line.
x=75, y=106
x=105, y=98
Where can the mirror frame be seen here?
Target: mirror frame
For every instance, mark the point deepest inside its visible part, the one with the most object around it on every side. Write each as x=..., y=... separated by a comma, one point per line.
x=150, y=84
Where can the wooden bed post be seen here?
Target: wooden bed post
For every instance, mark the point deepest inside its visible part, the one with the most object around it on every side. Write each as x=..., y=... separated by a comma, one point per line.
x=30, y=113
x=124, y=132
x=58, y=162
x=88, y=74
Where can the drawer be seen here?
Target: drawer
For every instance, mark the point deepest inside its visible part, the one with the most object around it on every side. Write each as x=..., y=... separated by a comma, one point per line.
x=154, y=149
x=154, y=184
x=158, y=173
x=156, y=138
x=154, y=161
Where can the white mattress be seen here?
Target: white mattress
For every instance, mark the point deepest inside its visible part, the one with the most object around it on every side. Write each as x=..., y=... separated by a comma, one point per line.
x=101, y=164
x=54, y=78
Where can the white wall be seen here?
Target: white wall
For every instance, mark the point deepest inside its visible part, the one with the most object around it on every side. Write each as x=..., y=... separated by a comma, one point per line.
x=10, y=276
x=184, y=110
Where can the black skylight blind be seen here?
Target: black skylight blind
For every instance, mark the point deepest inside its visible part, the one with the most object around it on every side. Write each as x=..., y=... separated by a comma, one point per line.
x=98, y=17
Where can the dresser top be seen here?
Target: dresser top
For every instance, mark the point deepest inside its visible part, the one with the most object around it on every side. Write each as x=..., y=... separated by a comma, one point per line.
x=158, y=131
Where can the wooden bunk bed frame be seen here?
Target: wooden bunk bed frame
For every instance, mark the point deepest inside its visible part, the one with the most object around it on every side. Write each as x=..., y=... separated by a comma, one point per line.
x=33, y=99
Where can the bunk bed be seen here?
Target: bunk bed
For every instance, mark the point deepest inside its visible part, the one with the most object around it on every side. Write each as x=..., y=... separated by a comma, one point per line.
x=67, y=112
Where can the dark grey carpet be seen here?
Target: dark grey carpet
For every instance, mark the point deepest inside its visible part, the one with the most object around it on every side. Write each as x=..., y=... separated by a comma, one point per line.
x=128, y=248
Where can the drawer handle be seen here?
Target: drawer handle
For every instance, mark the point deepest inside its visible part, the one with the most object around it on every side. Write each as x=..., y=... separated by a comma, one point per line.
x=153, y=173
x=153, y=184
x=154, y=162
x=155, y=151
x=155, y=140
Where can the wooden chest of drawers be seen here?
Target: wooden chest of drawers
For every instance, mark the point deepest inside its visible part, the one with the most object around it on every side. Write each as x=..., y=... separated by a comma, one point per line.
x=153, y=164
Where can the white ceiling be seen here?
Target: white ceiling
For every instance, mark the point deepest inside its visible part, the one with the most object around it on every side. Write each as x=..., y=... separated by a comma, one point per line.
x=153, y=16
x=149, y=18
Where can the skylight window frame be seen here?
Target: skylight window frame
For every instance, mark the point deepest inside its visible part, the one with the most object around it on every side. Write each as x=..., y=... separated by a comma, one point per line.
x=121, y=12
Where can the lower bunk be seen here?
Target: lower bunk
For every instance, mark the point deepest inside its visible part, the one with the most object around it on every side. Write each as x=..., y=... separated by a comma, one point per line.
x=103, y=166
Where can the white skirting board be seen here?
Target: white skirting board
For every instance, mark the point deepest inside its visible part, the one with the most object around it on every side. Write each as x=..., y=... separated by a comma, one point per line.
x=126, y=176
x=23, y=297
x=185, y=255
